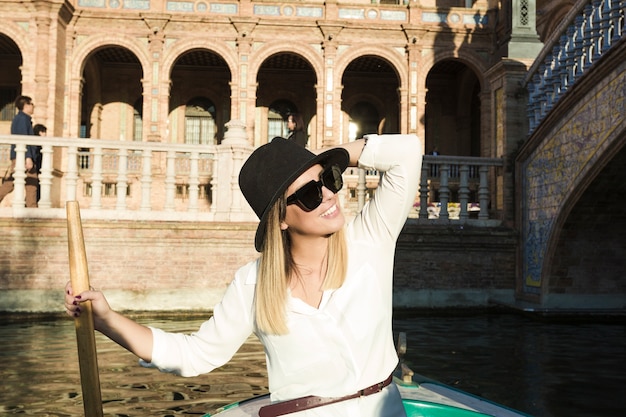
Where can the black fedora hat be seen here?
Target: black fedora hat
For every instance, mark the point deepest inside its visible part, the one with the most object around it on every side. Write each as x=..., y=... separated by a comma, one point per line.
x=272, y=167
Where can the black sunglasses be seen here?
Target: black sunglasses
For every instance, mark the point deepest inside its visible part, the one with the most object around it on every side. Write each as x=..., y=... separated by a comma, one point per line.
x=309, y=196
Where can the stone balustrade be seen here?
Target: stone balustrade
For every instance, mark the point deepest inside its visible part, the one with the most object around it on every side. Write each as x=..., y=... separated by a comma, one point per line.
x=126, y=180
x=588, y=32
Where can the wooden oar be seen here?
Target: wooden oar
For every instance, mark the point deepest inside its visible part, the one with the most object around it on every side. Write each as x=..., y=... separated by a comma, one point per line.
x=85, y=335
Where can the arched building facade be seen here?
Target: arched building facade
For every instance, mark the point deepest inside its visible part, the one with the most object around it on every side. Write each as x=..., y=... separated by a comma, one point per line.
x=177, y=71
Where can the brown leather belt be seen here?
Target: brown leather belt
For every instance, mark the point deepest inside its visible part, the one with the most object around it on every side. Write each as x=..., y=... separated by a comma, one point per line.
x=311, y=401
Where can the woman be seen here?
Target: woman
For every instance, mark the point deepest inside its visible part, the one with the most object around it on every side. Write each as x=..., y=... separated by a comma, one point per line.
x=295, y=125
x=320, y=295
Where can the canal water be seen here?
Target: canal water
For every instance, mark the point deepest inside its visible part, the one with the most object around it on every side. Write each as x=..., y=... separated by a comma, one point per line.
x=549, y=368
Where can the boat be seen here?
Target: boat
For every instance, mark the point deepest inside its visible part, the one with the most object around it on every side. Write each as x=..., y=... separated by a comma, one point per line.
x=421, y=396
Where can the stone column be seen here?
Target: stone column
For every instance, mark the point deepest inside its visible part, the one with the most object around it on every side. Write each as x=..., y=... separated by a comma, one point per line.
x=155, y=101
x=243, y=90
x=42, y=61
x=329, y=95
x=508, y=128
x=411, y=108
x=228, y=201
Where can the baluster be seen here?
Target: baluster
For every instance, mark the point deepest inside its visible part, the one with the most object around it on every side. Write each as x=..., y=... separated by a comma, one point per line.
x=483, y=193
x=571, y=55
x=360, y=189
x=96, y=179
x=617, y=19
x=579, y=45
x=45, y=178
x=214, y=184
x=19, y=177
x=549, y=83
x=597, y=31
x=444, y=192
x=122, y=179
x=589, y=37
x=464, y=191
x=170, y=181
x=563, y=64
x=72, y=173
x=605, y=24
x=146, y=179
x=194, y=182
x=423, y=214
x=557, y=84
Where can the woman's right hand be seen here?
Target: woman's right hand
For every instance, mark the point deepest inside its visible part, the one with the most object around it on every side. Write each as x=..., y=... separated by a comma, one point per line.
x=122, y=330
x=73, y=303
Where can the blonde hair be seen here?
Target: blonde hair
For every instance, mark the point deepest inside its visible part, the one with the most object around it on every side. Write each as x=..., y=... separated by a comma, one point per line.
x=276, y=267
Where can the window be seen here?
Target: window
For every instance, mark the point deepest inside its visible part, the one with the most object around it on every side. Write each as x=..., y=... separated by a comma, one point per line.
x=275, y=125
x=200, y=126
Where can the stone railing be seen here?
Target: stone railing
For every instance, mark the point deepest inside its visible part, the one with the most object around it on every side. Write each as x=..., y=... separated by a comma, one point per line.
x=458, y=187
x=176, y=182
x=451, y=188
x=589, y=31
x=122, y=176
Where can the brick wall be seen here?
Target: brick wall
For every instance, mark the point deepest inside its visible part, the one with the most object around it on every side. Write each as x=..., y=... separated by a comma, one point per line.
x=454, y=266
x=141, y=265
x=186, y=266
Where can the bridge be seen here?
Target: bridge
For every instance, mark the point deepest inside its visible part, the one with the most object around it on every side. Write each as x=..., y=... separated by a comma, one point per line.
x=570, y=172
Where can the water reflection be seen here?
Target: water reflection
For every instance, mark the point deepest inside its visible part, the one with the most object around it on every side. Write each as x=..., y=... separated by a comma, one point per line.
x=562, y=368
x=543, y=368
x=40, y=375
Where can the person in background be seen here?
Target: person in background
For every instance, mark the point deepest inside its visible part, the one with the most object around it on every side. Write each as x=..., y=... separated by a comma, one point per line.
x=319, y=297
x=39, y=130
x=295, y=124
x=22, y=124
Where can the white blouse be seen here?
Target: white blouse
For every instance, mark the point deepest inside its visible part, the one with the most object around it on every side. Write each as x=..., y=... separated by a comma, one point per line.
x=347, y=343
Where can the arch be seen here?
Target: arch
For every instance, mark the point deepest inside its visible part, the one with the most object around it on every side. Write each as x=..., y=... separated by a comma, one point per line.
x=474, y=62
x=587, y=175
x=382, y=92
x=198, y=71
x=560, y=159
x=95, y=105
x=17, y=35
x=395, y=60
x=179, y=48
x=302, y=50
x=91, y=45
x=452, y=109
